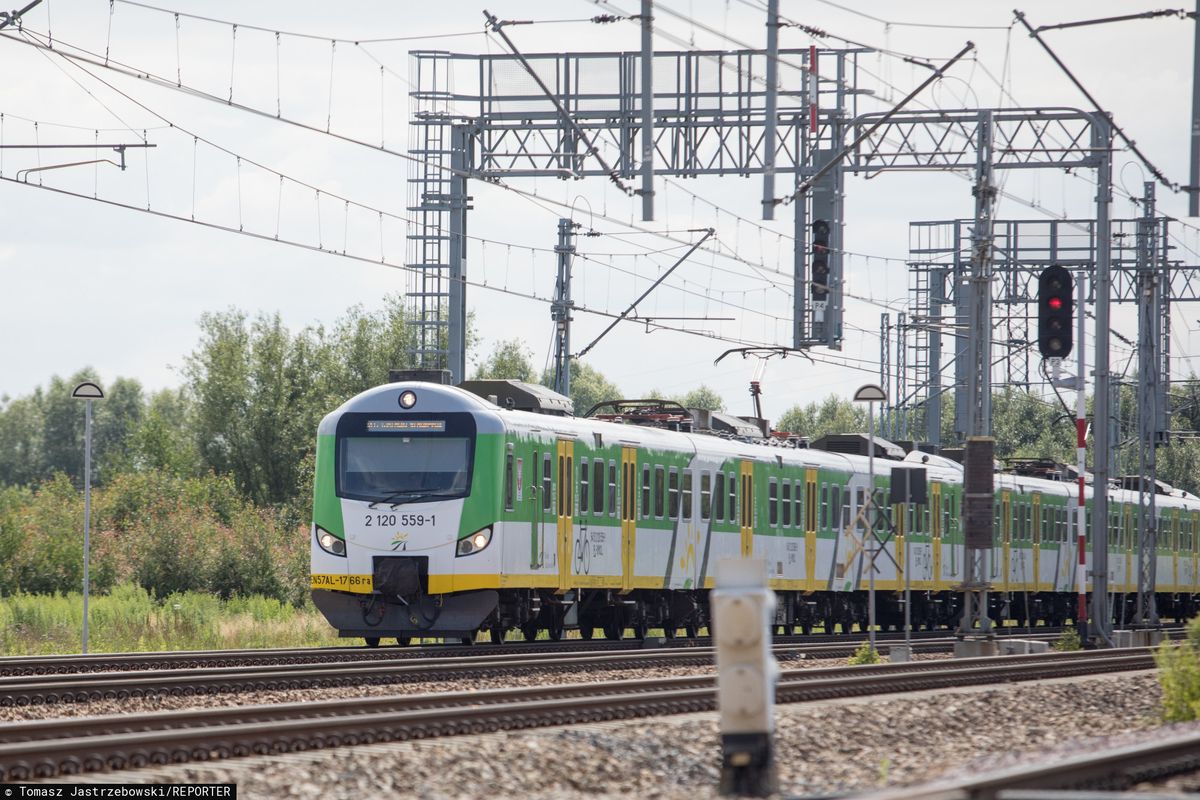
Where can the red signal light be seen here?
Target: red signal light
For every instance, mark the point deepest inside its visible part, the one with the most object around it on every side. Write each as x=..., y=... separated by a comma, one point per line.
x=1055, y=303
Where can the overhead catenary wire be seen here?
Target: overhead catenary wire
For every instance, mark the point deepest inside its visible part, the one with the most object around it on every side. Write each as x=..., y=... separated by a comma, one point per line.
x=64, y=50
x=1154, y=170
x=725, y=245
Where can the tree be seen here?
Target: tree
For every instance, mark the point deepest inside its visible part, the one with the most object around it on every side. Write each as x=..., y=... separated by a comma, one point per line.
x=832, y=415
x=702, y=397
x=21, y=427
x=362, y=346
x=509, y=360
x=260, y=391
x=588, y=386
x=163, y=440
x=255, y=410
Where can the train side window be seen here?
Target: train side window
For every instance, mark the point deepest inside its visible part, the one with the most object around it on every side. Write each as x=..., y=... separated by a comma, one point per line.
x=732, y=483
x=773, y=502
x=673, y=494
x=747, y=501
x=564, y=479
x=583, y=486
x=508, y=482
x=612, y=489
x=824, y=506
x=798, y=507
x=660, y=490
x=686, y=494
x=786, y=502
x=598, y=486
x=547, y=483
x=705, y=494
x=719, y=497
x=835, y=503
x=645, y=491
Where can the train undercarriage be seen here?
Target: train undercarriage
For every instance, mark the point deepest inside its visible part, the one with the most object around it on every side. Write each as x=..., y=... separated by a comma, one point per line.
x=611, y=614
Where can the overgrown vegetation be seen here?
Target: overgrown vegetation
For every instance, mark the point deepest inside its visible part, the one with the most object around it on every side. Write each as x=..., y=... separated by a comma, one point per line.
x=130, y=619
x=865, y=654
x=1179, y=675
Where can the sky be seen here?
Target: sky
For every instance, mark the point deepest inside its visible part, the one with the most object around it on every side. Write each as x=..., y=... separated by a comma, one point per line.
x=89, y=282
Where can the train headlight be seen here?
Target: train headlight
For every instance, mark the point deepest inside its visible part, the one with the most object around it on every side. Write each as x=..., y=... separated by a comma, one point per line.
x=330, y=543
x=475, y=542
x=408, y=398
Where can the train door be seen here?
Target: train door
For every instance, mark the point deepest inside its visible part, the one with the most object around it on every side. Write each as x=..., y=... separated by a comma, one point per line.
x=810, y=527
x=746, y=520
x=565, y=509
x=628, y=515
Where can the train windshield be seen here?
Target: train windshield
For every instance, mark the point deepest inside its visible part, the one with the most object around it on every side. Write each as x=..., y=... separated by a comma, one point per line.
x=404, y=459
x=397, y=468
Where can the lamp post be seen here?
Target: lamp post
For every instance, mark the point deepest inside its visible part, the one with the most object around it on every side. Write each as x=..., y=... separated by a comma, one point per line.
x=871, y=394
x=87, y=392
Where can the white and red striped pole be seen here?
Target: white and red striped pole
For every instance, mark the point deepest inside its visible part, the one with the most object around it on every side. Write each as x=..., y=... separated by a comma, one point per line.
x=1081, y=456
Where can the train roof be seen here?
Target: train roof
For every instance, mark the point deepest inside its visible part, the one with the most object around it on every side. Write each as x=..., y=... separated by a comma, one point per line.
x=491, y=418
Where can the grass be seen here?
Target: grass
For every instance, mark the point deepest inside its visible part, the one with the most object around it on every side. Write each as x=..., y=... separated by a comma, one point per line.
x=128, y=619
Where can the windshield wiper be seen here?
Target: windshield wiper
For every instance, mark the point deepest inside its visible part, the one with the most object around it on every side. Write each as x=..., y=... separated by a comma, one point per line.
x=412, y=496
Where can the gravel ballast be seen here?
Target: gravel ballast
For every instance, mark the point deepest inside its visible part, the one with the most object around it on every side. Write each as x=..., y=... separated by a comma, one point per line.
x=166, y=702
x=821, y=748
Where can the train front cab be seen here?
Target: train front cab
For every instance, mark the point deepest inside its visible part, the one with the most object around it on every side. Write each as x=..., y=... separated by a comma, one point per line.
x=404, y=513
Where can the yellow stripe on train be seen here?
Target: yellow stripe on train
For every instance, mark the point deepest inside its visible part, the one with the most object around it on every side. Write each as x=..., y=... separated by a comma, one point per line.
x=362, y=584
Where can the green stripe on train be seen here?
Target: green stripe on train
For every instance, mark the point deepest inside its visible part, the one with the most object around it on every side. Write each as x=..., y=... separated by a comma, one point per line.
x=327, y=508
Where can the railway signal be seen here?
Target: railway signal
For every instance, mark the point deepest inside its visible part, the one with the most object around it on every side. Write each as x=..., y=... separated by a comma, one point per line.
x=1056, y=307
x=819, y=286
x=743, y=609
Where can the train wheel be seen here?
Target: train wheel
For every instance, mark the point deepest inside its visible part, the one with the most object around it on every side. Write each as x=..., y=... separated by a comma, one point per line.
x=639, y=630
x=468, y=640
x=669, y=630
x=404, y=641
x=555, y=631
x=496, y=634
x=692, y=630
x=530, y=632
x=372, y=641
x=586, y=632
x=613, y=630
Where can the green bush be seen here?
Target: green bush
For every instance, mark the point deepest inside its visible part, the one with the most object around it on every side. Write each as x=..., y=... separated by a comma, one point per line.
x=865, y=654
x=165, y=533
x=1179, y=675
x=1068, y=640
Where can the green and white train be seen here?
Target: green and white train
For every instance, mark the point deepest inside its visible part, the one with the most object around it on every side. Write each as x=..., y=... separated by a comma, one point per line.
x=438, y=513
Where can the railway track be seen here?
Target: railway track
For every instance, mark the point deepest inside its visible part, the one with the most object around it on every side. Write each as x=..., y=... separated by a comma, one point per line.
x=48, y=689
x=51, y=748
x=194, y=659
x=1112, y=769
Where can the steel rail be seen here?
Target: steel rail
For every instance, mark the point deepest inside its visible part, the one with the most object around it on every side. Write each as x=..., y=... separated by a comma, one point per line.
x=49, y=689
x=184, y=659
x=1113, y=769
x=48, y=749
